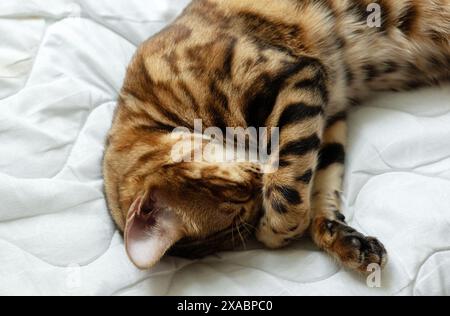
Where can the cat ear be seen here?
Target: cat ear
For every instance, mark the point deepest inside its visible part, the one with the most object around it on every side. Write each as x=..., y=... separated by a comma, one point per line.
x=150, y=231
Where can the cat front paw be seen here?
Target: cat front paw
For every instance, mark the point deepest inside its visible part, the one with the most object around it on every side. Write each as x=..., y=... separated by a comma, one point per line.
x=351, y=248
x=275, y=238
x=271, y=238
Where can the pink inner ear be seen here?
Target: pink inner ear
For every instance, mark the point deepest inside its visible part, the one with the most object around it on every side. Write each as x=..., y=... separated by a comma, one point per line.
x=150, y=233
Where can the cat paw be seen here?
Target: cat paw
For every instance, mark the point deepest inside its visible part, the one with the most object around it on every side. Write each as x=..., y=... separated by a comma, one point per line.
x=269, y=237
x=353, y=249
x=274, y=238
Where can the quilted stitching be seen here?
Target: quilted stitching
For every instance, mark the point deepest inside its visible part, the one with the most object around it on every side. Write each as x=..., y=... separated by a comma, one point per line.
x=58, y=84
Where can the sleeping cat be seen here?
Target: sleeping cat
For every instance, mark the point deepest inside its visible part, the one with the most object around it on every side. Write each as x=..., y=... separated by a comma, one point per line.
x=296, y=65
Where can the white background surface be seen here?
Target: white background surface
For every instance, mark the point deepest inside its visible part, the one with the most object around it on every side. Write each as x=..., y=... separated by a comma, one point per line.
x=62, y=63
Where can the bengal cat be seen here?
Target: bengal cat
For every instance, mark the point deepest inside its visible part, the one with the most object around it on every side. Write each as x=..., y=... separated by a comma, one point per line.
x=293, y=64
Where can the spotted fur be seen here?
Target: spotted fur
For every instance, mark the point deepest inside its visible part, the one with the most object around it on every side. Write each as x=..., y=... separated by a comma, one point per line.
x=293, y=64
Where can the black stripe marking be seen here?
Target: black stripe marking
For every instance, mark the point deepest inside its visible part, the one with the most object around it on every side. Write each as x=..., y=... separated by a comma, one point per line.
x=439, y=37
x=279, y=207
x=385, y=16
x=340, y=42
x=298, y=112
x=359, y=9
x=435, y=62
x=306, y=177
x=307, y=61
x=302, y=146
x=271, y=34
x=391, y=67
x=331, y=154
x=371, y=72
x=218, y=96
x=283, y=163
x=338, y=117
x=316, y=84
x=268, y=87
x=142, y=87
x=290, y=194
x=229, y=58
x=188, y=94
x=261, y=104
x=415, y=84
x=160, y=128
x=354, y=101
x=349, y=75
x=174, y=118
x=218, y=120
x=407, y=19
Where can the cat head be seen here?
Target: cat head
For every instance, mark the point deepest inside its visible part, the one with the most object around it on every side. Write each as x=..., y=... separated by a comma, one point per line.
x=157, y=202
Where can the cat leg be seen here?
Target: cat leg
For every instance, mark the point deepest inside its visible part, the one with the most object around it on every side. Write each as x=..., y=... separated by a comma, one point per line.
x=298, y=114
x=329, y=229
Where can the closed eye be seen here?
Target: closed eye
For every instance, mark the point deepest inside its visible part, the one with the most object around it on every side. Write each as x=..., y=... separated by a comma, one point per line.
x=229, y=211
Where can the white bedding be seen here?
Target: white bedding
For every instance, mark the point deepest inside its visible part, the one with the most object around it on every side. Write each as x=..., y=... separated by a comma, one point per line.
x=61, y=65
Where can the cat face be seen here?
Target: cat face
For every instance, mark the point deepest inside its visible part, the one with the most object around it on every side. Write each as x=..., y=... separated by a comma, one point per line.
x=155, y=201
x=163, y=202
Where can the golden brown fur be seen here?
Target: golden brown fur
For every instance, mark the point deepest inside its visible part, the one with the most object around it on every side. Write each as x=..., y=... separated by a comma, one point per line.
x=293, y=64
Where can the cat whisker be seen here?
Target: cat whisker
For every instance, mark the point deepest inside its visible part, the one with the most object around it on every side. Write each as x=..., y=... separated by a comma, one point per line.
x=248, y=230
x=242, y=237
x=232, y=238
x=246, y=226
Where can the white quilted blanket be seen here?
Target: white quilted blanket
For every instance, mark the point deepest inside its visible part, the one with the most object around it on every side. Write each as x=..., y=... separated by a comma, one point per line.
x=61, y=65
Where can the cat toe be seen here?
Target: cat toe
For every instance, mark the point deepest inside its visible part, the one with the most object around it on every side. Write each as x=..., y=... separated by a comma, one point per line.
x=359, y=252
x=353, y=249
